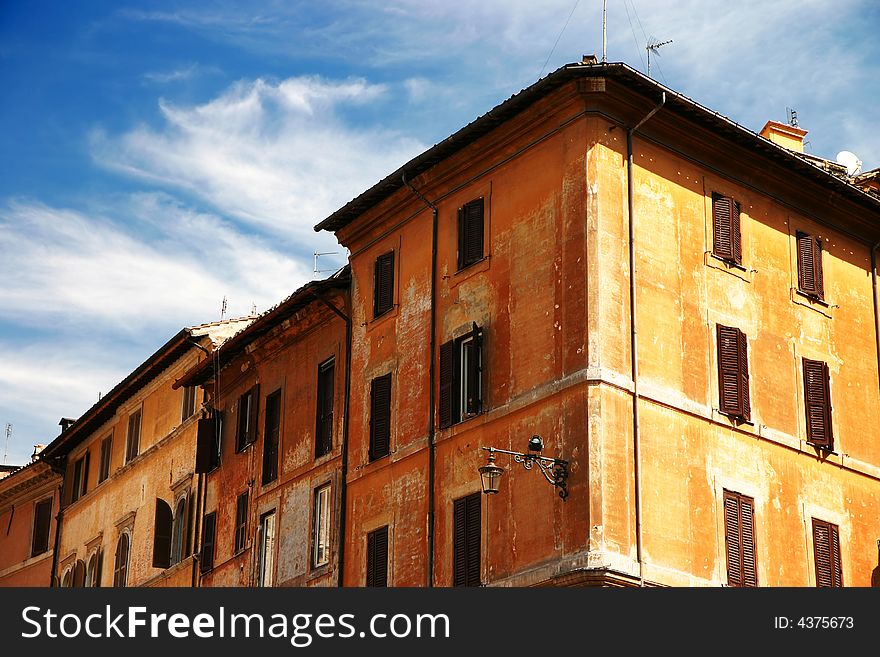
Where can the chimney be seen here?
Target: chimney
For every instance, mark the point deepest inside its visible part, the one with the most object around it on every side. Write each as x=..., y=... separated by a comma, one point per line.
x=37, y=450
x=787, y=136
x=65, y=423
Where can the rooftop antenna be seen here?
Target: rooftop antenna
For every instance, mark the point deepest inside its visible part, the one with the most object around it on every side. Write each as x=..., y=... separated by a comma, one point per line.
x=320, y=271
x=653, y=46
x=253, y=309
x=223, y=308
x=792, y=116
x=6, y=449
x=604, y=31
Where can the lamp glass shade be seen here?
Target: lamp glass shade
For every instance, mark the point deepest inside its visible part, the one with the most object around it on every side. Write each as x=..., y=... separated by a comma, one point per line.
x=490, y=475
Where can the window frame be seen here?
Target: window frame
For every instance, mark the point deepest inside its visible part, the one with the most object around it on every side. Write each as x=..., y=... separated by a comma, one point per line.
x=383, y=284
x=239, y=537
x=120, y=570
x=739, y=540
x=266, y=572
x=324, y=407
x=456, y=404
x=133, y=435
x=248, y=414
x=188, y=408
x=321, y=526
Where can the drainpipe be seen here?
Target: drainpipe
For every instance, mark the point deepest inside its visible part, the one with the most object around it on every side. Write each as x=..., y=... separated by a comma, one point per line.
x=876, y=301
x=59, y=517
x=634, y=353
x=343, y=487
x=431, y=378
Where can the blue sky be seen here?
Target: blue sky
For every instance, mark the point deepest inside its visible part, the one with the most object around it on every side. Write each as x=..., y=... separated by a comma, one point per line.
x=157, y=157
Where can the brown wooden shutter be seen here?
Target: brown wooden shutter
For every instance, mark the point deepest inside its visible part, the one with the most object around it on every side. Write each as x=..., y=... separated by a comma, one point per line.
x=733, y=372
x=205, y=444
x=447, y=381
x=817, y=396
x=810, y=277
x=120, y=566
x=324, y=430
x=739, y=535
x=209, y=531
x=470, y=233
x=42, y=525
x=271, y=437
x=726, y=238
x=826, y=554
x=377, y=557
x=383, y=284
x=241, y=509
x=735, y=232
x=162, y=529
x=85, y=474
x=380, y=416
x=106, y=452
x=254, y=410
x=474, y=372
x=466, y=541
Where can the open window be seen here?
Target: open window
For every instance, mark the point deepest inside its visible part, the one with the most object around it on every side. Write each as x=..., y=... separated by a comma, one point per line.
x=461, y=378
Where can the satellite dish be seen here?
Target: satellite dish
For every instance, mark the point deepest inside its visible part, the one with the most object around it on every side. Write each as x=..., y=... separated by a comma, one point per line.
x=851, y=161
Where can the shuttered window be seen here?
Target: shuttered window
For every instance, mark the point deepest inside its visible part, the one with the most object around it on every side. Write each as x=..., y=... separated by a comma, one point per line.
x=324, y=428
x=380, y=416
x=739, y=535
x=209, y=534
x=466, y=541
x=120, y=566
x=461, y=378
x=726, y=235
x=383, y=284
x=189, y=402
x=733, y=372
x=106, y=453
x=470, y=233
x=248, y=412
x=377, y=557
x=162, y=531
x=80, y=481
x=809, y=260
x=826, y=554
x=179, y=536
x=271, y=437
x=208, y=443
x=241, y=516
x=817, y=396
x=42, y=525
x=133, y=439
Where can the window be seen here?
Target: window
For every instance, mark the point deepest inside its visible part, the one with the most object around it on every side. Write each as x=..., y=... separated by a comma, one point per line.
x=733, y=372
x=209, y=442
x=79, y=574
x=189, y=402
x=383, y=284
x=248, y=408
x=461, y=373
x=809, y=261
x=726, y=237
x=470, y=233
x=162, y=526
x=817, y=396
x=324, y=429
x=120, y=567
x=80, y=482
x=466, y=541
x=826, y=554
x=42, y=526
x=241, y=513
x=178, y=532
x=132, y=444
x=380, y=416
x=321, y=527
x=739, y=535
x=267, y=549
x=377, y=557
x=93, y=570
x=106, y=452
x=209, y=533
x=271, y=437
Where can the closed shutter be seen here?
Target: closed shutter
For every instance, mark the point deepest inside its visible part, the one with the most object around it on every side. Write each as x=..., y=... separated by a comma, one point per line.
x=377, y=557
x=254, y=411
x=42, y=524
x=380, y=416
x=810, y=277
x=466, y=541
x=826, y=554
x=85, y=474
x=383, y=284
x=205, y=442
x=241, y=509
x=817, y=396
x=209, y=531
x=733, y=372
x=120, y=566
x=248, y=414
x=162, y=530
x=106, y=450
x=474, y=359
x=726, y=239
x=470, y=233
x=271, y=437
x=134, y=436
x=447, y=382
x=739, y=535
x=324, y=431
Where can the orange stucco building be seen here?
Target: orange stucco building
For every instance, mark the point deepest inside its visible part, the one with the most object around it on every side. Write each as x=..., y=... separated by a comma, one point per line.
x=682, y=309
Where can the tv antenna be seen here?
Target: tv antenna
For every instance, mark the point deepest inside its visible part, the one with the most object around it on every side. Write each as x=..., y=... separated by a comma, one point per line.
x=654, y=46
x=792, y=116
x=317, y=254
x=6, y=448
x=223, y=308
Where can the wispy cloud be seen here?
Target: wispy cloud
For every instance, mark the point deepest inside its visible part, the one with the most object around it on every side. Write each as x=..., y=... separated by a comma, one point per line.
x=180, y=74
x=276, y=155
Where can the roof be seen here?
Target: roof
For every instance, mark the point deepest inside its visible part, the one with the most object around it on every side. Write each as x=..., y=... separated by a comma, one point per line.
x=634, y=80
x=106, y=407
x=237, y=344
x=24, y=478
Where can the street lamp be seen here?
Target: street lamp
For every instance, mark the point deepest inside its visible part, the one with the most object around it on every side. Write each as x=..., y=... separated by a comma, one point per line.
x=555, y=471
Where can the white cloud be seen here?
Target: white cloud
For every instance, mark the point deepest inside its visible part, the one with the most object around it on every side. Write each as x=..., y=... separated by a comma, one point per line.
x=179, y=74
x=274, y=155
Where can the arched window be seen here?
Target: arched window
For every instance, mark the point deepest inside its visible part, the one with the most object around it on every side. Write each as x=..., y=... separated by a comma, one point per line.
x=79, y=574
x=178, y=535
x=162, y=534
x=67, y=579
x=93, y=569
x=120, y=568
